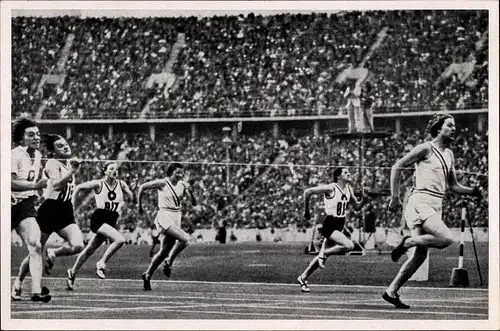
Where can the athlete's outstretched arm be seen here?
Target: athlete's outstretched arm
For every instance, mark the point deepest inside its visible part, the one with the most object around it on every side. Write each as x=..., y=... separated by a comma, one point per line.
x=456, y=187
x=19, y=185
x=157, y=183
x=418, y=153
x=321, y=189
x=127, y=190
x=93, y=184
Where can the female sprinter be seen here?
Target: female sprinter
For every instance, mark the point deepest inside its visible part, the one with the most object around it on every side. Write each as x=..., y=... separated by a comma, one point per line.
x=109, y=197
x=56, y=212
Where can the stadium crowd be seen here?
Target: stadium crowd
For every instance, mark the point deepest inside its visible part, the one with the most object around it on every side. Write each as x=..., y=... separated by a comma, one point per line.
x=254, y=65
x=36, y=44
x=267, y=192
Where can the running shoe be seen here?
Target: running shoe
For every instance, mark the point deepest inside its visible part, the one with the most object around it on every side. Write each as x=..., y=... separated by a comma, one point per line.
x=15, y=294
x=101, y=268
x=41, y=297
x=395, y=301
x=45, y=290
x=399, y=250
x=303, y=284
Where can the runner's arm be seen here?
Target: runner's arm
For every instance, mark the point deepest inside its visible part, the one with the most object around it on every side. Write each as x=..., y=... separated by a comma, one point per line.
x=321, y=189
x=158, y=184
x=456, y=187
x=90, y=185
x=420, y=152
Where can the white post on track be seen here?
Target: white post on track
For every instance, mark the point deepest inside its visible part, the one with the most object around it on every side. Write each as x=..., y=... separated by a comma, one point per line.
x=462, y=239
x=459, y=276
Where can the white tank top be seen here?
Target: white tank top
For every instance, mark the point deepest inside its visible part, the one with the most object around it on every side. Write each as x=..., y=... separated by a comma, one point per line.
x=169, y=197
x=431, y=175
x=110, y=198
x=26, y=169
x=336, y=202
x=55, y=170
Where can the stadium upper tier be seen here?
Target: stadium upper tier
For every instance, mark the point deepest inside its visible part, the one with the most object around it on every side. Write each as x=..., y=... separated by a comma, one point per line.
x=231, y=66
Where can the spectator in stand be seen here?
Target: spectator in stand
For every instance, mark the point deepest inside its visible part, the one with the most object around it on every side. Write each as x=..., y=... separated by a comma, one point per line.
x=278, y=65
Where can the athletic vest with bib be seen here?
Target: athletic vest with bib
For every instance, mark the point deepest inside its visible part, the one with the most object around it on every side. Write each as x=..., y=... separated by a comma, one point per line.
x=110, y=198
x=336, y=202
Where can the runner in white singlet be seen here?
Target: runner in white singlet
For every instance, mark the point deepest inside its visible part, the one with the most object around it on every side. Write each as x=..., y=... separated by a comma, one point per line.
x=25, y=168
x=168, y=219
x=56, y=212
x=336, y=196
x=434, y=174
x=109, y=198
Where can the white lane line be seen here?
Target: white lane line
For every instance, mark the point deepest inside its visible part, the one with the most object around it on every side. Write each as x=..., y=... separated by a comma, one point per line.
x=104, y=297
x=259, y=265
x=105, y=309
x=406, y=311
x=312, y=296
x=45, y=306
x=197, y=306
x=239, y=284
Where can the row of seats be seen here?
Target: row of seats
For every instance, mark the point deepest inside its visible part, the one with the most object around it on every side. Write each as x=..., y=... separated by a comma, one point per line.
x=279, y=65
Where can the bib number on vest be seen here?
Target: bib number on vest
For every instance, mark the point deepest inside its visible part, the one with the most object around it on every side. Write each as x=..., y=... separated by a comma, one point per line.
x=111, y=206
x=341, y=206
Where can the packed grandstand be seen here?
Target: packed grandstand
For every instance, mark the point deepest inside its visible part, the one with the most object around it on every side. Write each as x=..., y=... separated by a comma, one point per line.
x=71, y=68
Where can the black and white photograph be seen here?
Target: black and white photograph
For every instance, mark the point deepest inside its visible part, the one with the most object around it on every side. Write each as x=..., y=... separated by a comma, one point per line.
x=250, y=165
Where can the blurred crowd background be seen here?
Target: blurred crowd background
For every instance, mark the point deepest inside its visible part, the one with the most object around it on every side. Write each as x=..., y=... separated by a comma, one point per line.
x=254, y=66
x=268, y=192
